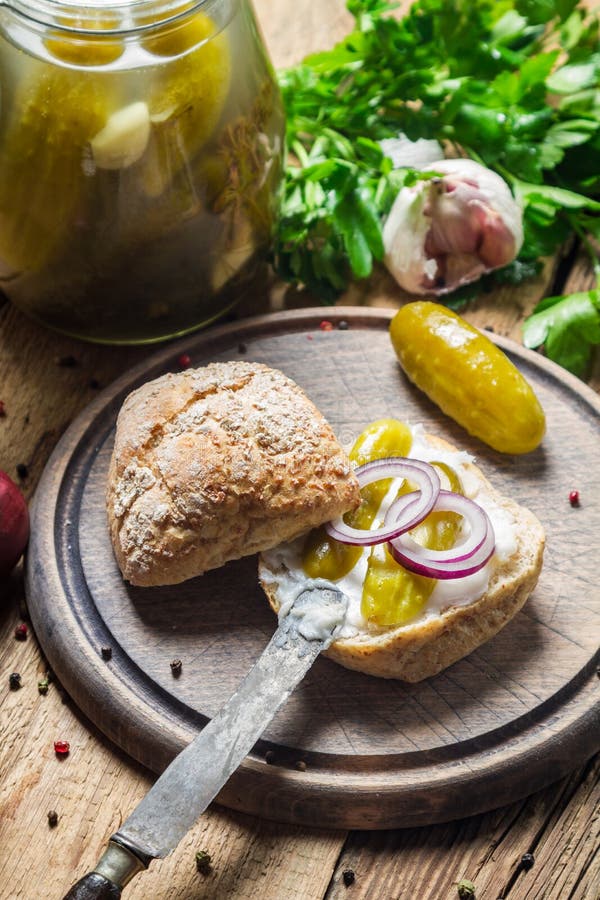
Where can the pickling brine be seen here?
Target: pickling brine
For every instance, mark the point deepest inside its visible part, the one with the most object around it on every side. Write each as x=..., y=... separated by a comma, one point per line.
x=141, y=150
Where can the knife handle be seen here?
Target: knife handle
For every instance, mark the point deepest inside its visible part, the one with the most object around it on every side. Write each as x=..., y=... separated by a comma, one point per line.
x=115, y=869
x=94, y=887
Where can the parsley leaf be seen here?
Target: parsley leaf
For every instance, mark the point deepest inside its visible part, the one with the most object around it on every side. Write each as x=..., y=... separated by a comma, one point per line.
x=484, y=77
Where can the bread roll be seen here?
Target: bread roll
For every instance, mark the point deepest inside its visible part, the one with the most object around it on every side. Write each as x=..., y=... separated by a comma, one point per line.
x=216, y=463
x=442, y=634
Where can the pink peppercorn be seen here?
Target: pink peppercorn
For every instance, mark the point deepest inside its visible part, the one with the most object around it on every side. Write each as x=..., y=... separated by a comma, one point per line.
x=61, y=748
x=574, y=498
x=184, y=361
x=21, y=631
x=326, y=325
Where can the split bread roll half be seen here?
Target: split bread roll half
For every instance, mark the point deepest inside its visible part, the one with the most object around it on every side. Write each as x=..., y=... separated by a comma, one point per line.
x=447, y=629
x=216, y=463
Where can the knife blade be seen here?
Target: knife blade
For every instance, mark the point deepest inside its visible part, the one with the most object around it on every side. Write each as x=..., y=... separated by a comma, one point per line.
x=196, y=775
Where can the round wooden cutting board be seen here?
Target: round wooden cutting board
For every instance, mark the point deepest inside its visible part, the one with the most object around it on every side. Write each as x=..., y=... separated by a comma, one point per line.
x=347, y=750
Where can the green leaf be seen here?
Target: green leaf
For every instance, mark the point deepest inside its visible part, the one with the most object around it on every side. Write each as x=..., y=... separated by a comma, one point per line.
x=574, y=77
x=559, y=197
x=572, y=132
x=567, y=327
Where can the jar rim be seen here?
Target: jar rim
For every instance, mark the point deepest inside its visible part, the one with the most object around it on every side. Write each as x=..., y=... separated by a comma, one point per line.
x=67, y=15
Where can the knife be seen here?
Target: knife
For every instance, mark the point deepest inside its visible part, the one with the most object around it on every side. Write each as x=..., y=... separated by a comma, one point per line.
x=196, y=775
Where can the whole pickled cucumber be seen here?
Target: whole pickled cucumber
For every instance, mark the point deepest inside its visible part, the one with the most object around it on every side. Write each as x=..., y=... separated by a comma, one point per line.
x=468, y=377
x=42, y=160
x=186, y=99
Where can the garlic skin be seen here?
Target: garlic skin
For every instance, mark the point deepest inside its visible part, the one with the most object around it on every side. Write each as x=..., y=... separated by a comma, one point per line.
x=449, y=231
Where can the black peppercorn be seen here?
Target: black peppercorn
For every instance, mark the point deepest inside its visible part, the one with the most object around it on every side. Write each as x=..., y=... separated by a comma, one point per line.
x=527, y=861
x=68, y=362
x=176, y=667
x=22, y=470
x=270, y=757
x=52, y=818
x=348, y=877
x=106, y=653
x=14, y=681
x=343, y=325
x=301, y=765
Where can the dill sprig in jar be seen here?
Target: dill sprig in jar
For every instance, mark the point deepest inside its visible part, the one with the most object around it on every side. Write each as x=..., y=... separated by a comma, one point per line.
x=140, y=161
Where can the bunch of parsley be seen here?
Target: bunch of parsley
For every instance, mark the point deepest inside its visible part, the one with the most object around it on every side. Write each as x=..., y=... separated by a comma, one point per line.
x=514, y=84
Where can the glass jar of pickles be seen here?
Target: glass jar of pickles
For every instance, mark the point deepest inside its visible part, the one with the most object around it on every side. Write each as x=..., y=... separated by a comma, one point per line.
x=140, y=159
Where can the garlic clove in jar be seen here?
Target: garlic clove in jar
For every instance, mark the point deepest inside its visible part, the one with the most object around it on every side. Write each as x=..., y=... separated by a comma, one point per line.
x=124, y=138
x=449, y=230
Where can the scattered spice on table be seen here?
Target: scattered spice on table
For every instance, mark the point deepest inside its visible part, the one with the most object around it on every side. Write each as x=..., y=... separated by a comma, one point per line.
x=106, y=653
x=21, y=632
x=67, y=362
x=62, y=748
x=52, y=818
x=22, y=470
x=176, y=667
x=15, y=681
x=466, y=889
x=348, y=877
x=203, y=862
x=527, y=861
x=43, y=686
x=574, y=498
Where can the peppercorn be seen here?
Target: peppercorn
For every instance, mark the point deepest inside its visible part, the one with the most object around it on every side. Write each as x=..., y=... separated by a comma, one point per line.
x=67, y=362
x=343, y=325
x=270, y=757
x=176, y=667
x=43, y=686
x=326, y=325
x=106, y=653
x=21, y=631
x=62, y=748
x=52, y=818
x=348, y=877
x=22, y=470
x=574, y=498
x=2, y=409
x=301, y=765
x=466, y=889
x=184, y=361
x=527, y=861
x=242, y=348
x=14, y=681
x=203, y=862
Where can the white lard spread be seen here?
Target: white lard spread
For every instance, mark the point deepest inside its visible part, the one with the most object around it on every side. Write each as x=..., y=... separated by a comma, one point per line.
x=285, y=561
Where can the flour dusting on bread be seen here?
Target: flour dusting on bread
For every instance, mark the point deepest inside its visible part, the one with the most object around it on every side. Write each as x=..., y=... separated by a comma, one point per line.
x=216, y=463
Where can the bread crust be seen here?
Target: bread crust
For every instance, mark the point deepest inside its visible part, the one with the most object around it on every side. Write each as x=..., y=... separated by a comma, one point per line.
x=216, y=463
x=413, y=652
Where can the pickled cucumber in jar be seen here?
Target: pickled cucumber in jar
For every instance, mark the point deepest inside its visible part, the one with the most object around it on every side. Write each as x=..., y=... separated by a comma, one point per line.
x=140, y=158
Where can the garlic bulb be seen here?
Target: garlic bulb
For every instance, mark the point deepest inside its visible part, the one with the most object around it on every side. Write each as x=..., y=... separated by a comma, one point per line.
x=447, y=231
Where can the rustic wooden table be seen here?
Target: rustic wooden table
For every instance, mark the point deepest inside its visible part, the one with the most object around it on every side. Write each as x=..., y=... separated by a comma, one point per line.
x=94, y=790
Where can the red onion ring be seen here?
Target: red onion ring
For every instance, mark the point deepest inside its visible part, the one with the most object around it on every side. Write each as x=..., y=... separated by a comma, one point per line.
x=465, y=559
x=410, y=509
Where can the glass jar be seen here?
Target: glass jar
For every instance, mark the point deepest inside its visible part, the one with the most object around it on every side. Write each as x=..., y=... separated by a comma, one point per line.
x=140, y=159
